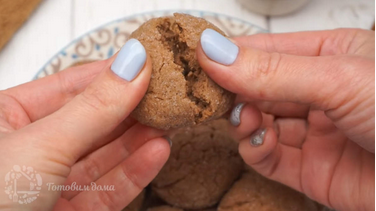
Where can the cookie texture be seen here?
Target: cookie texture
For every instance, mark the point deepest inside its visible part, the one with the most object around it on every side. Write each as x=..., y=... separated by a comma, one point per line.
x=164, y=208
x=180, y=93
x=254, y=192
x=203, y=164
x=136, y=204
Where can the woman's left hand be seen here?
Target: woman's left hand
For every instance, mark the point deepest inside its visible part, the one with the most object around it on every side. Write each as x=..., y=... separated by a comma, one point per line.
x=73, y=127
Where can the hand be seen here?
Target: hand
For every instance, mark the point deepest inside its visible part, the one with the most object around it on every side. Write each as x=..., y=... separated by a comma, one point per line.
x=73, y=127
x=314, y=94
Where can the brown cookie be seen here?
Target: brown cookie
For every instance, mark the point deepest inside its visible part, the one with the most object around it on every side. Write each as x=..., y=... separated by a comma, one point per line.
x=164, y=208
x=169, y=208
x=180, y=93
x=203, y=164
x=255, y=192
x=136, y=204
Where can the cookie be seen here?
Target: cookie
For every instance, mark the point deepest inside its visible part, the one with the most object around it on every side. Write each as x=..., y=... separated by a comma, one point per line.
x=164, y=208
x=255, y=192
x=169, y=208
x=152, y=199
x=136, y=204
x=180, y=93
x=203, y=164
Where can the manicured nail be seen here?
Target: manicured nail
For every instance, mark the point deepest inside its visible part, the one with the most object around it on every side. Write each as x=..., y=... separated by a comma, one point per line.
x=168, y=139
x=130, y=60
x=218, y=48
x=235, y=114
x=257, y=138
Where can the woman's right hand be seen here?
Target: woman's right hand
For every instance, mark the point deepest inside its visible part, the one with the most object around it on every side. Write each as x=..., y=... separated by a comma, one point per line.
x=314, y=95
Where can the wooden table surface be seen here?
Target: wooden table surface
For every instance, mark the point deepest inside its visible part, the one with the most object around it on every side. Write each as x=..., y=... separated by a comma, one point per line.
x=56, y=22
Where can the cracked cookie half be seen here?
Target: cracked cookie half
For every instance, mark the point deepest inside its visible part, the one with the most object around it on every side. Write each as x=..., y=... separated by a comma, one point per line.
x=180, y=93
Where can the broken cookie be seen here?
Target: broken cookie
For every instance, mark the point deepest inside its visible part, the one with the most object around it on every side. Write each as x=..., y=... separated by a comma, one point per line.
x=180, y=93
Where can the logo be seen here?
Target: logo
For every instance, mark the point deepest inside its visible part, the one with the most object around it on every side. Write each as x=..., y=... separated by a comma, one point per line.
x=28, y=179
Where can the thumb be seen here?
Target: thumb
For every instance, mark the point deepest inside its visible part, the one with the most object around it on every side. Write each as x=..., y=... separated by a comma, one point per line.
x=100, y=108
x=271, y=76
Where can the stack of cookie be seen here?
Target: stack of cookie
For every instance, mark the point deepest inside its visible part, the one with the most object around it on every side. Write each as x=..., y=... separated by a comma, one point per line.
x=205, y=172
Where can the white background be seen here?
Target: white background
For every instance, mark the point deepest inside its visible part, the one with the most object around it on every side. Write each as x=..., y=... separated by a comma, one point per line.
x=56, y=22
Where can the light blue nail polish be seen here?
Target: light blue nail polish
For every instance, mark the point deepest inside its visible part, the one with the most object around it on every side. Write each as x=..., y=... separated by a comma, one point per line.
x=218, y=48
x=130, y=60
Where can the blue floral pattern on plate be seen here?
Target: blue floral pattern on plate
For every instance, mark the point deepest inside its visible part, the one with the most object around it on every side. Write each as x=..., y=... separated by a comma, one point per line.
x=101, y=43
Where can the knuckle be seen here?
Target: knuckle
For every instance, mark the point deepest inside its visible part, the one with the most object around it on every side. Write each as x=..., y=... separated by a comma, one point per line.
x=344, y=41
x=97, y=97
x=67, y=85
x=260, y=69
x=132, y=178
x=266, y=64
x=12, y=111
x=5, y=128
x=271, y=170
x=91, y=170
x=268, y=165
x=106, y=200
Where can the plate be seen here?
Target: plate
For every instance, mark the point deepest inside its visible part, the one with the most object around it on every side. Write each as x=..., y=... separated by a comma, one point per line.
x=102, y=42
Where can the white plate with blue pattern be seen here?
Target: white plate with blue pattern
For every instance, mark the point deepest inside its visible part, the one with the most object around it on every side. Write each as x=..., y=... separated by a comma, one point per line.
x=102, y=42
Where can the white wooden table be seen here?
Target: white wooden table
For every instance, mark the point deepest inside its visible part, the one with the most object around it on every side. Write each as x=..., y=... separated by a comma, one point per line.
x=56, y=22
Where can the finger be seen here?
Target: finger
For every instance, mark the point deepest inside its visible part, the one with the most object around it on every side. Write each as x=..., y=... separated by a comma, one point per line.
x=312, y=43
x=279, y=109
x=104, y=159
x=128, y=178
x=116, y=133
x=5, y=128
x=283, y=109
x=275, y=161
x=245, y=119
x=46, y=95
x=324, y=144
x=98, y=110
x=291, y=132
x=273, y=76
x=267, y=120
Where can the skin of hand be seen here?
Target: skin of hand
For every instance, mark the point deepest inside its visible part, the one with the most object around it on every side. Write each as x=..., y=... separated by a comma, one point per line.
x=313, y=93
x=73, y=126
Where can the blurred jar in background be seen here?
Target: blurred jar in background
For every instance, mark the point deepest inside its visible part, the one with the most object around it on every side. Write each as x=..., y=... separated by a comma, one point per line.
x=273, y=7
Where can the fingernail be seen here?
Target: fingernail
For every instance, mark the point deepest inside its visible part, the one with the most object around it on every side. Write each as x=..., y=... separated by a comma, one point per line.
x=235, y=114
x=168, y=139
x=218, y=48
x=257, y=138
x=130, y=60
